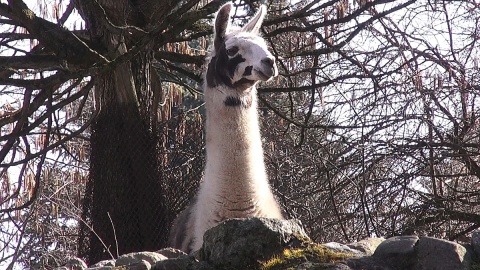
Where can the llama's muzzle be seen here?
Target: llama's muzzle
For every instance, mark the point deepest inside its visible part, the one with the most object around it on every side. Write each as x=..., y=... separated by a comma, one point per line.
x=268, y=69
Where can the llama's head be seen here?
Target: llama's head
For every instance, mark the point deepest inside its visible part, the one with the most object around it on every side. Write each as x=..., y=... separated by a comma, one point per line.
x=240, y=57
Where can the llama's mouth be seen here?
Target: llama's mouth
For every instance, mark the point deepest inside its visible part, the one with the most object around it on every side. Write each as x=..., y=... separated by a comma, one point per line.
x=263, y=76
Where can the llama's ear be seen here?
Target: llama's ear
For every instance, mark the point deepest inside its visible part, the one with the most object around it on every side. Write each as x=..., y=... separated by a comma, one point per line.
x=256, y=22
x=221, y=25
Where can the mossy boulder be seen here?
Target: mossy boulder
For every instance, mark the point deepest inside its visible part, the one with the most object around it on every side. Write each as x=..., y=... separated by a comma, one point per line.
x=242, y=243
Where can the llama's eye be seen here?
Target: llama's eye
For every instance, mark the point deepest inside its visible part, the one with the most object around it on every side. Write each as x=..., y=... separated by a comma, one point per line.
x=232, y=51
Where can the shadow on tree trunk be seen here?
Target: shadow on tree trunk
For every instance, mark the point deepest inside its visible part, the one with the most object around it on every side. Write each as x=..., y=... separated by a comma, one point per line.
x=124, y=205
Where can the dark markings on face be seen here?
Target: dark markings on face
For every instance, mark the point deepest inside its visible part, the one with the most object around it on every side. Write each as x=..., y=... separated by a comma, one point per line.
x=217, y=72
x=212, y=78
x=248, y=71
x=233, y=63
x=221, y=70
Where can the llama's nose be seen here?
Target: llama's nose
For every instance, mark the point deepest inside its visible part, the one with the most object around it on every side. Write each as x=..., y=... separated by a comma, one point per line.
x=269, y=61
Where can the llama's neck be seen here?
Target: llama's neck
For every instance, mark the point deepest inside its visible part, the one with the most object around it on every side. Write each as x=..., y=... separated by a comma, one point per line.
x=233, y=142
x=235, y=184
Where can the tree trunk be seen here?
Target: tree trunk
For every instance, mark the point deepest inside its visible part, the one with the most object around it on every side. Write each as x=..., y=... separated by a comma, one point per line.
x=125, y=202
x=124, y=207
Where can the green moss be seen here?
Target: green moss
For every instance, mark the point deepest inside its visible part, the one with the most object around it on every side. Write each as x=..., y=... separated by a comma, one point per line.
x=311, y=252
x=273, y=262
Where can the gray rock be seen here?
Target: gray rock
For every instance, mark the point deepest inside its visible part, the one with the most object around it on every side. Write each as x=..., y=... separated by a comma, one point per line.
x=367, y=246
x=175, y=264
x=337, y=247
x=339, y=266
x=244, y=243
x=73, y=263
x=433, y=253
x=241, y=243
x=370, y=263
x=137, y=257
x=182, y=263
x=139, y=265
x=397, y=245
x=76, y=264
x=104, y=263
x=171, y=252
x=322, y=266
x=476, y=242
x=398, y=251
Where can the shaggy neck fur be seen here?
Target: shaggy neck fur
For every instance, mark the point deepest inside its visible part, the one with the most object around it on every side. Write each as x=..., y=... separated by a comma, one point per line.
x=235, y=177
x=235, y=183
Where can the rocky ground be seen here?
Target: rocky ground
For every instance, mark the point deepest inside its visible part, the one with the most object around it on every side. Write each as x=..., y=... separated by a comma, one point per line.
x=270, y=244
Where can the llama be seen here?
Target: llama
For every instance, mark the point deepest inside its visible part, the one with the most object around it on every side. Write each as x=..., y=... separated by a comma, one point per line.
x=235, y=183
